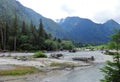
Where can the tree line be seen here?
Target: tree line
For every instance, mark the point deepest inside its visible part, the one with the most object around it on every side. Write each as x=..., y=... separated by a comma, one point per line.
x=21, y=36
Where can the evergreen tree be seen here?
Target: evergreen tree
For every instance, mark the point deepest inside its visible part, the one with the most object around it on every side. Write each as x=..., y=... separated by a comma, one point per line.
x=4, y=37
x=15, y=31
x=1, y=35
x=3, y=32
x=34, y=36
x=24, y=29
x=112, y=69
x=41, y=30
x=14, y=38
x=7, y=35
x=41, y=35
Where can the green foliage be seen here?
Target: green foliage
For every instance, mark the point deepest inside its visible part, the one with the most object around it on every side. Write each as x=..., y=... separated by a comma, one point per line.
x=58, y=44
x=41, y=30
x=20, y=26
x=112, y=69
x=51, y=45
x=107, y=52
x=26, y=46
x=115, y=42
x=39, y=55
x=111, y=45
x=29, y=38
x=67, y=45
x=41, y=35
x=79, y=45
x=24, y=39
x=24, y=29
x=100, y=47
x=21, y=30
x=15, y=32
x=112, y=72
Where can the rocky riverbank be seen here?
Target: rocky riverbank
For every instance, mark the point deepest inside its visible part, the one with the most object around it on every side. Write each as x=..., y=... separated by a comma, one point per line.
x=55, y=73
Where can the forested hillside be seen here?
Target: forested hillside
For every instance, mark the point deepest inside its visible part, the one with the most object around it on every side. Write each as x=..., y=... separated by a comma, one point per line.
x=22, y=29
x=76, y=29
x=8, y=8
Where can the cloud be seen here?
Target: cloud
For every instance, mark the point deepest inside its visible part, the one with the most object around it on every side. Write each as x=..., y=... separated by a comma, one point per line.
x=96, y=10
x=111, y=12
x=66, y=9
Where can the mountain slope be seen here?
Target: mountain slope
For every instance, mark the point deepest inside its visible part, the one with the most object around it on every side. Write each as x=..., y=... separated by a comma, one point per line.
x=9, y=8
x=86, y=31
x=73, y=28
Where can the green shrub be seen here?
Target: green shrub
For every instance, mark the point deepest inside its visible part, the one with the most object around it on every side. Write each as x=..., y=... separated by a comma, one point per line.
x=107, y=52
x=39, y=55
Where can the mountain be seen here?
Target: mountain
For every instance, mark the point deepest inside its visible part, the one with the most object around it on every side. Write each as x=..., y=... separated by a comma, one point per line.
x=9, y=8
x=74, y=28
x=86, y=31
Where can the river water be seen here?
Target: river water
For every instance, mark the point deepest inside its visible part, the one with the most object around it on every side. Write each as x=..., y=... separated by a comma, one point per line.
x=89, y=74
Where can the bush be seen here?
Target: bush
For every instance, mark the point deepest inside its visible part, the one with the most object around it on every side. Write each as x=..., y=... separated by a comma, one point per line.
x=107, y=52
x=39, y=55
x=68, y=45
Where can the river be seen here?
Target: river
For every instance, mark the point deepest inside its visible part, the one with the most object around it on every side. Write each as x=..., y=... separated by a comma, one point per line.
x=89, y=74
x=79, y=74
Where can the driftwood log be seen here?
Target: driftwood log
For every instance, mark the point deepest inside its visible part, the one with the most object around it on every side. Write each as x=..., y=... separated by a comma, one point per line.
x=86, y=59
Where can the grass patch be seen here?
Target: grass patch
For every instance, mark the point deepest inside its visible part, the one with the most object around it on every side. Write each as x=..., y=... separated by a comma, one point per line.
x=97, y=47
x=19, y=70
x=66, y=64
x=39, y=54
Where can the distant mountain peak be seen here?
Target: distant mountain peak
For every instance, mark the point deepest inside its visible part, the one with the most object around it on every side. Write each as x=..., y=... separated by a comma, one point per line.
x=111, y=21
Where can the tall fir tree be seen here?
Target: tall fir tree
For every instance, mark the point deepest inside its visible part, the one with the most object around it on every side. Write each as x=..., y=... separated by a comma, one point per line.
x=15, y=33
x=1, y=36
x=41, y=35
x=41, y=30
x=7, y=34
x=3, y=32
x=23, y=29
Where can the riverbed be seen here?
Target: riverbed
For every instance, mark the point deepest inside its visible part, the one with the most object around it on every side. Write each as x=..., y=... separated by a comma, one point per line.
x=89, y=74
x=79, y=74
x=85, y=74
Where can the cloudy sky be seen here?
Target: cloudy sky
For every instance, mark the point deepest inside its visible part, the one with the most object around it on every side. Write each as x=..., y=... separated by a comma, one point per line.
x=97, y=10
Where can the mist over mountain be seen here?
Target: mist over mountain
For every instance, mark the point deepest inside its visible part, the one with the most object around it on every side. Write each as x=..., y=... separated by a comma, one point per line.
x=73, y=28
